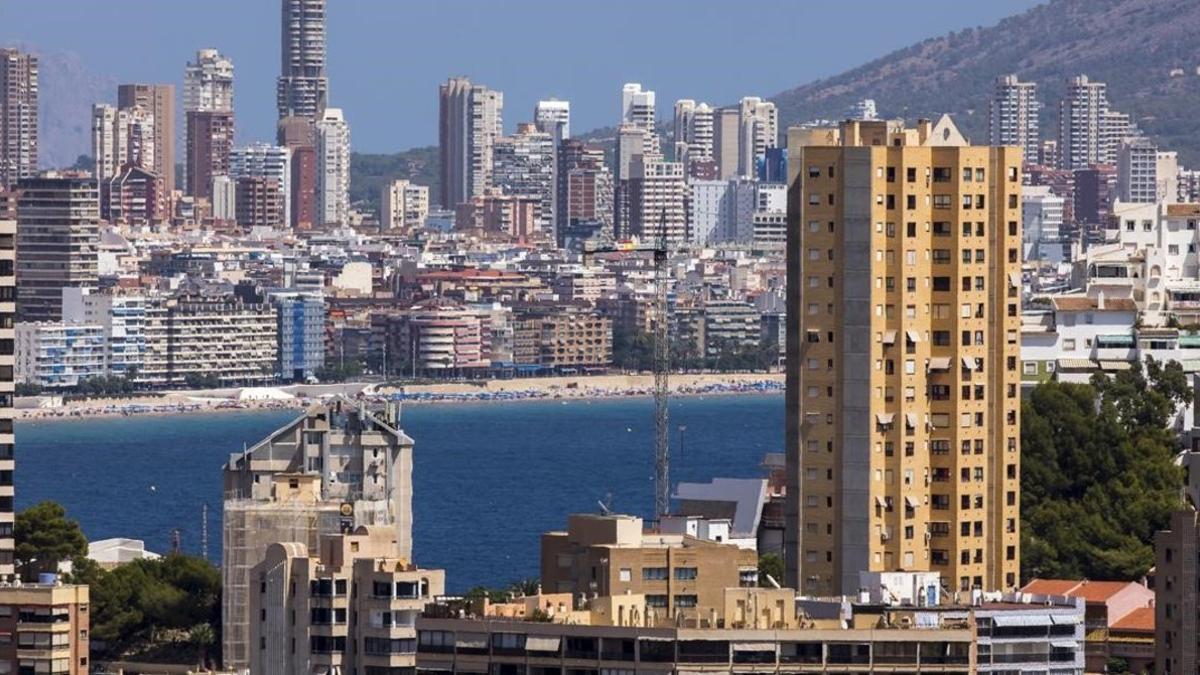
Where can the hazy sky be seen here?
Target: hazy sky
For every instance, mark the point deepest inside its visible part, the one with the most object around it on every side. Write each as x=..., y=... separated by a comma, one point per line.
x=387, y=57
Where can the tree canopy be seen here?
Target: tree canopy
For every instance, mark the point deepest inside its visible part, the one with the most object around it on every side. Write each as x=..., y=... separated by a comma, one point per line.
x=1098, y=477
x=45, y=536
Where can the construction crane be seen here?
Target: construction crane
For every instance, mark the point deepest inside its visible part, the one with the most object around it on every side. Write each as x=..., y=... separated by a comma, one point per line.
x=662, y=362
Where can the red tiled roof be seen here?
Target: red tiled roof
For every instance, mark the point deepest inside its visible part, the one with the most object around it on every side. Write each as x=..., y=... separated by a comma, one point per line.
x=1051, y=586
x=1099, y=591
x=1139, y=620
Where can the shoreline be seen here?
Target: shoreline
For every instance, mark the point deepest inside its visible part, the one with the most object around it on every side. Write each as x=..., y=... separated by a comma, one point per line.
x=490, y=391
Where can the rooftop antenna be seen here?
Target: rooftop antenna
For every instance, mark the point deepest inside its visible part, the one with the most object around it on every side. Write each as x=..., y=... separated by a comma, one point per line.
x=606, y=504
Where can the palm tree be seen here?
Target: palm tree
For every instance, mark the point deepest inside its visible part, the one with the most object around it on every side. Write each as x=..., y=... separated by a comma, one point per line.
x=202, y=637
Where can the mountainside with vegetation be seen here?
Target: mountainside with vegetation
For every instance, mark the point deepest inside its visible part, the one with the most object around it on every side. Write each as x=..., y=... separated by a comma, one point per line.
x=1148, y=51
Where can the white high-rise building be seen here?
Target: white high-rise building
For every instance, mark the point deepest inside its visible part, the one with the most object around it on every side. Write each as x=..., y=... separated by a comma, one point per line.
x=1041, y=223
x=302, y=87
x=333, y=167
x=759, y=123
x=208, y=83
x=553, y=117
x=863, y=110
x=1144, y=174
x=708, y=210
x=1013, y=115
x=637, y=108
x=1082, y=123
x=263, y=160
x=658, y=195
x=121, y=137
x=693, y=133
x=470, y=121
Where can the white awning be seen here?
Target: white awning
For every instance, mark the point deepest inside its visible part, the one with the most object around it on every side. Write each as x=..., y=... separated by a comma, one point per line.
x=913, y=336
x=1066, y=619
x=911, y=420
x=754, y=646
x=1014, y=279
x=884, y=418
x=1061, y=644
x=939, y=363
x=538, y=643
x=880, y=501
x=471, y=641
x=889, y=337
x=911, y=502
x=968, y=363
x=1021, y=619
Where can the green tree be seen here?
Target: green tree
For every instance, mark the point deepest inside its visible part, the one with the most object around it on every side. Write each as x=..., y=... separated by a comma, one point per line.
x=1098, y=476
x=770, y=564
x=45, y=536
x=203, y=637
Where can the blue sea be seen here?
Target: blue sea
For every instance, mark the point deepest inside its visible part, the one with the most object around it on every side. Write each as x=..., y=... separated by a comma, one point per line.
x=488, y=478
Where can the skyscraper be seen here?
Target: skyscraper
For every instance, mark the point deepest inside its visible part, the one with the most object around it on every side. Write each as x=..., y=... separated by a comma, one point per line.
x=1082, y=117
x=333, y=168
x=159, y=101
x=298, y=135
x=208, y=82
x=693, y=132
x=302, y=88
x=58, y=237
x=903, y=357
x=553, y=117
x=209, y=142
x=121, y=137
x=469, y=122
x=1013, y=116
x=523, y=164
x=726, y=142
x=18, y=116
x=759, y=123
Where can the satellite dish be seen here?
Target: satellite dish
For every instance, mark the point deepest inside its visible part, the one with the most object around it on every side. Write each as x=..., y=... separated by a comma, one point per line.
x=606, y=504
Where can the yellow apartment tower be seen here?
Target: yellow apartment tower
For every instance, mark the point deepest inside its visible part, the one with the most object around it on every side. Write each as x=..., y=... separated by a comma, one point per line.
x=903, y=356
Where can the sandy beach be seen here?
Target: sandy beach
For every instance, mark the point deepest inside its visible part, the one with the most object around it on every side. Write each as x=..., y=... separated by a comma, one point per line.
x=299, y=396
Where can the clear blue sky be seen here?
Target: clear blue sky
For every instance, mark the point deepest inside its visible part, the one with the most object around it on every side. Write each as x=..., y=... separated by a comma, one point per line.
x=386, y=57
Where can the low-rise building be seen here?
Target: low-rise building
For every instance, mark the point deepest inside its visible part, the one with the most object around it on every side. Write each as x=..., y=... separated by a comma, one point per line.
x=47, y=628
x=682, y=576
x=1115, y=619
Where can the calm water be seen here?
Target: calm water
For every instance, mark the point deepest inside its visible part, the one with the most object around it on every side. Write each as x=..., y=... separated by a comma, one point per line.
x=488, y=477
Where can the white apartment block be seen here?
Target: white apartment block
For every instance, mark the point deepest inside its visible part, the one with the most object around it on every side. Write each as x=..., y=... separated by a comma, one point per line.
x=120, y=137
x=403, y=205
x=657, y=204
x=56, y=354
x=1013, y=115
x=1082, y=116
x=333, y=168
x=1144, y=174
x=263, y=160
x=208, y=82
x=693, y=131
x=638, y=109
x=709, y=210
x=759, y=123
x=122, y=319
x=553, y=117
x=1041, y=224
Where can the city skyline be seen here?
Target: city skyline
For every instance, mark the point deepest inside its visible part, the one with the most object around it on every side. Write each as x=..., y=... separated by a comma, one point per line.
x=505, y=41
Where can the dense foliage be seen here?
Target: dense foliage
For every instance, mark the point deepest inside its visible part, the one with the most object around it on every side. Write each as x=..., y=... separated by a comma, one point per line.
x=370, y=172
x=44, y=537
x=1098, y=476
x=770, y=565
x=635, y=351
x=147, y=605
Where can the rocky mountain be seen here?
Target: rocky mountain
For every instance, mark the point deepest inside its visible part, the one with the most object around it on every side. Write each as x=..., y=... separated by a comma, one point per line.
x=66, y=91
x=1148, y=51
